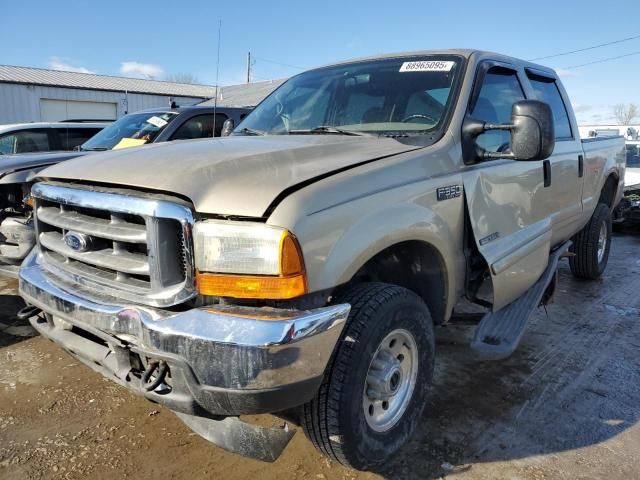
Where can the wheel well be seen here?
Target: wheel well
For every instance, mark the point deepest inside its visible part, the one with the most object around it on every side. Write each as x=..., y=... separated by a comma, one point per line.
x=608, y=193
x=414, y=265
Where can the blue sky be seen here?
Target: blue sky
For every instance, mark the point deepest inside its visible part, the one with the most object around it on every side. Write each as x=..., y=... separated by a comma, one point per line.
x=163, y=37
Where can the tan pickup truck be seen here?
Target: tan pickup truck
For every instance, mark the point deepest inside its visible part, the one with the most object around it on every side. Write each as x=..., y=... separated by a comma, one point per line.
x=298, y=267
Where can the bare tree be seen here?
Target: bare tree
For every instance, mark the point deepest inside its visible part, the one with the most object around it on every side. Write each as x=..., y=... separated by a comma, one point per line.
x=182, y=78
x=625, y=114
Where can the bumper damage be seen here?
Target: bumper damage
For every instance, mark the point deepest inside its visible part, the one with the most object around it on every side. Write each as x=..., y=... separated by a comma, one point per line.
x=220, y=361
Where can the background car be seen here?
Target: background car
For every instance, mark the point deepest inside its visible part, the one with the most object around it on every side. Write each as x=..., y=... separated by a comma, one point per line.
x=46, y=137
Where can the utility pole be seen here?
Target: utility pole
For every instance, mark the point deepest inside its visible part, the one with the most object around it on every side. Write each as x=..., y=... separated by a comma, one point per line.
x=248, y=67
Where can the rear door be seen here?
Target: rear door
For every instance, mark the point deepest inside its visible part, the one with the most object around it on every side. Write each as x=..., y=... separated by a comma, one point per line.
x=567, y=162
x=506, y=199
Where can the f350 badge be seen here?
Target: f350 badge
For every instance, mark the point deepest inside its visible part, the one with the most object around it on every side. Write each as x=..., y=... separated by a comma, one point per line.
x=447, y=193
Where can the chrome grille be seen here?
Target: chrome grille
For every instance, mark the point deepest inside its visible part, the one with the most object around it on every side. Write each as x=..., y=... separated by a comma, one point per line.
x=132, y=248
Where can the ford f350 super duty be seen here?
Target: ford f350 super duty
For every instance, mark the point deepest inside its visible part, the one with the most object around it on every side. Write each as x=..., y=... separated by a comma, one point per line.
x=300, y=265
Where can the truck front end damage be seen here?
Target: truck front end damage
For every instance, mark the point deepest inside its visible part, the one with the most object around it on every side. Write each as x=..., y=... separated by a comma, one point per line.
x=136, y=317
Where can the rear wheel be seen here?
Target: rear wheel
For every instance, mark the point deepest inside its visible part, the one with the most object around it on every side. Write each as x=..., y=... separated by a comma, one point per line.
x=374, y=390
x=591, y=245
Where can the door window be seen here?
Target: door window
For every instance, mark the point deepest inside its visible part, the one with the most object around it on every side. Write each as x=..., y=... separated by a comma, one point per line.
x=547, y=91
x=500, y=90
x=200, y=126
x=70, y=138
x=25, y=141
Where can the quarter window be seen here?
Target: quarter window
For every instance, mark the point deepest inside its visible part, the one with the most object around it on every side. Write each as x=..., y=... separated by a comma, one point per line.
x=547, y=91
x=500, y=90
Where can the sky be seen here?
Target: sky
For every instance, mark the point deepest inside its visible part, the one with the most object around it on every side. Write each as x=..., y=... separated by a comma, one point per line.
x=160, y=38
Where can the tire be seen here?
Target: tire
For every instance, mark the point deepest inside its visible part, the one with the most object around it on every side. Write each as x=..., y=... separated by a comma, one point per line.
x=336, y=419
x=588, y=263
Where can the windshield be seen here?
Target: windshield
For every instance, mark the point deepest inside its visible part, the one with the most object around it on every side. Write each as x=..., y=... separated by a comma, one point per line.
x=399, y=95
x=131, y=130
x=633, y=156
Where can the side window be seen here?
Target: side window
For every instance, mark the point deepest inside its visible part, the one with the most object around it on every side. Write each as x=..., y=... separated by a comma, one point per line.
x=7, y=144
x=25, y=141
x=70, y=138
x=547, y=91
x=500, y=90
x=200, y=126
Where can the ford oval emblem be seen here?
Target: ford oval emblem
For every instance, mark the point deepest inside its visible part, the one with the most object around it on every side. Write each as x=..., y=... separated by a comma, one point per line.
x=78, y=242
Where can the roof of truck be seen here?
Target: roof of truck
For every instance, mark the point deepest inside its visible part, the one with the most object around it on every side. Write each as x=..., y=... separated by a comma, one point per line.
x=463, y=52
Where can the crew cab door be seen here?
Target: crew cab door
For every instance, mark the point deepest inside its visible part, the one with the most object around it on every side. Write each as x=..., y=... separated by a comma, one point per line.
x=506, y=199
x=566, y=175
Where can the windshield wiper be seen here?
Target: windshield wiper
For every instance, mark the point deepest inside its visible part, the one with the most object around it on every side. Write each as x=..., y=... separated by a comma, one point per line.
x=324, y=130
x=250, y=131
x=94, y=149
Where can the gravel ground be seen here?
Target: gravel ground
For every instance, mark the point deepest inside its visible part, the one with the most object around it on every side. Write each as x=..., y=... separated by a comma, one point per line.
x=564, y=406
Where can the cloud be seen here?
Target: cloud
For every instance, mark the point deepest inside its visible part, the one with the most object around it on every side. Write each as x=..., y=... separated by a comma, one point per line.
x=56, y=63
x=144, y=70
x=563, y=72
x=580, y=108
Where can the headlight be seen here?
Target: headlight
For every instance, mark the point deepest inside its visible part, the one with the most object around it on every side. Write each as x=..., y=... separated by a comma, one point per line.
x=247, y=260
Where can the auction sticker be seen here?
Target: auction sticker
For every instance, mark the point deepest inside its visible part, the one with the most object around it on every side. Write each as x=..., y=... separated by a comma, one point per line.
x=427, y=66
x=157, y=121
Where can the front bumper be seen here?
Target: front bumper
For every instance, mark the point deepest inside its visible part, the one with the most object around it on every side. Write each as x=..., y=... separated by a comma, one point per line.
x=223, y=360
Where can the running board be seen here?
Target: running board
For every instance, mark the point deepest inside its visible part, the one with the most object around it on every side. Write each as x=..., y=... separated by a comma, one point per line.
x=499, y=333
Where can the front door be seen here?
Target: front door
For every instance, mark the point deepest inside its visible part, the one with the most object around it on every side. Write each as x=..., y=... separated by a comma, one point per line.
x=506, y=199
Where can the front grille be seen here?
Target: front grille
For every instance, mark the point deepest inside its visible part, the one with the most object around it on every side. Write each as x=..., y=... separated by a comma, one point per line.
x=118, y=244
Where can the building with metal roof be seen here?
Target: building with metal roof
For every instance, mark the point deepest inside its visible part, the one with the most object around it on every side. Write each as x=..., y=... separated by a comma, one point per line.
x=246, y=94
x=35, y=94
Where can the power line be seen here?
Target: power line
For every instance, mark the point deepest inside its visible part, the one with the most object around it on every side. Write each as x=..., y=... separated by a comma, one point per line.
x=602, y=60
x=279, y=63
x=587, y=48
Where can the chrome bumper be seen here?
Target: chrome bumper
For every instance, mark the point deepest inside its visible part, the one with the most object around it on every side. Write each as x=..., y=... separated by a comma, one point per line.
x=218, y=356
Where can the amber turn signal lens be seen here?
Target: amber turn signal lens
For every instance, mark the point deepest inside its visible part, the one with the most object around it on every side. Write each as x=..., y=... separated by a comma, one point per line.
x=245, y=286
x=291, y=283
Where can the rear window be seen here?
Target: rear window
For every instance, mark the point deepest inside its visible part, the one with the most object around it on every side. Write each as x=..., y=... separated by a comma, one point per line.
x=547, y=91
x=25, y=141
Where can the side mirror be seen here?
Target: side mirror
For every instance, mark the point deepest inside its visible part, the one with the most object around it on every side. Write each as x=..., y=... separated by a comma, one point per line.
x=532, y=134
x=227, y=127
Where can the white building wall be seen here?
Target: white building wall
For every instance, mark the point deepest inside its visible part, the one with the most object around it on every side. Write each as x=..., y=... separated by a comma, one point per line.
x=21, y=103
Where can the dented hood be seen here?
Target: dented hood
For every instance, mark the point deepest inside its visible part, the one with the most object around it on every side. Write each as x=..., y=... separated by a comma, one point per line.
x=229, y=176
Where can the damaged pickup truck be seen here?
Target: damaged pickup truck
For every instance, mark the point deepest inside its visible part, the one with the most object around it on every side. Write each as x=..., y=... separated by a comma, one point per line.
x=300, y=265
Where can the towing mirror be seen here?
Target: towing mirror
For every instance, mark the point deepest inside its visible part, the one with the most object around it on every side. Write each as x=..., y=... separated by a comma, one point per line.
x=227, y=127
x=532, y=134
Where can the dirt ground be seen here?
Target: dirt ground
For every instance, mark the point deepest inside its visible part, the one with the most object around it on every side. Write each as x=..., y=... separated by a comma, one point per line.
x=565, y=406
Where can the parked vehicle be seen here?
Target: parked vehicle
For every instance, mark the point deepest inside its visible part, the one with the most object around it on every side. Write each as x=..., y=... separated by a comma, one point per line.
x=628, y=210
x=301, y=265
x=46, y=137
x=151, y=126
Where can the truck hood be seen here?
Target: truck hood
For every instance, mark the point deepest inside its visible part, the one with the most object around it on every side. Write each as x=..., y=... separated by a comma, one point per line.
x=230, y=176
x=28, y=161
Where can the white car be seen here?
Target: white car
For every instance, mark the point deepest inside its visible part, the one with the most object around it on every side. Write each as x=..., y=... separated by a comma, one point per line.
x=46, y=136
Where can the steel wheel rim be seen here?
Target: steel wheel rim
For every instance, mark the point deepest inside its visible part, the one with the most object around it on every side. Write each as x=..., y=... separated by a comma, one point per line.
x=391, y=380
x=602, y=241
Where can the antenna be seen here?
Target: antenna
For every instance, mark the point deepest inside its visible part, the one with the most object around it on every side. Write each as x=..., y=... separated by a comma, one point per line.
x=215, y=100
x=248, y=67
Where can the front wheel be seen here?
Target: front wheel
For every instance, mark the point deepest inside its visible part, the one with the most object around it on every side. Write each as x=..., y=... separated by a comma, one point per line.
x=591, y=245
x=374, y=390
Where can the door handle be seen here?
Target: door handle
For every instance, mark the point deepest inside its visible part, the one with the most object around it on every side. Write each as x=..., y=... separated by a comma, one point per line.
x=546, y=168
x=580, y=166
